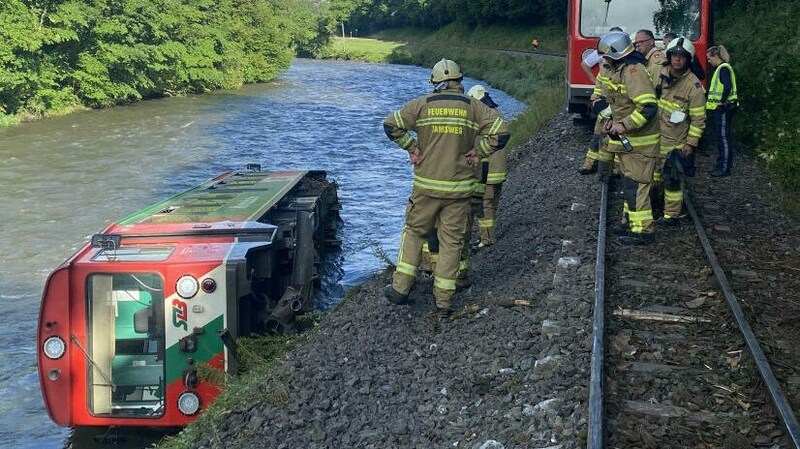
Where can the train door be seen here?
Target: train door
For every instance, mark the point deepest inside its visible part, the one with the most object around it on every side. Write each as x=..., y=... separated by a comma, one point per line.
x=588, y=20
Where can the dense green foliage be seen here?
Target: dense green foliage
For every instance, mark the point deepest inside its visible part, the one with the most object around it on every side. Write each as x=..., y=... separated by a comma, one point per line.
x=58, y=55
x=369, y=16
x=763, y=40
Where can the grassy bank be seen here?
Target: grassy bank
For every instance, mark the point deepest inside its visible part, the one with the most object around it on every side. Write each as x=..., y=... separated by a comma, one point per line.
x=358, y=49
x=537, y=81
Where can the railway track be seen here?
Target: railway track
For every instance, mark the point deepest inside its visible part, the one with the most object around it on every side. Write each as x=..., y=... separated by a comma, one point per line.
x=674, y=361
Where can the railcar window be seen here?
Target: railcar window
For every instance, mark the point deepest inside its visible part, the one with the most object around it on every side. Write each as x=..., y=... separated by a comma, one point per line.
x=126, y=340
x=661, y=16
x=134, y=254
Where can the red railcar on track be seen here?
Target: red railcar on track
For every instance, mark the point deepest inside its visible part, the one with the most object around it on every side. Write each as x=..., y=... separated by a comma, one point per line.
x=587, y=20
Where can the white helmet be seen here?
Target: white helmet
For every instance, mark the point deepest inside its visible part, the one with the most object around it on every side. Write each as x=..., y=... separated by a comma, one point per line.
x=681, y=44
x=445, y=70
x=615, y=45
x=477, y=92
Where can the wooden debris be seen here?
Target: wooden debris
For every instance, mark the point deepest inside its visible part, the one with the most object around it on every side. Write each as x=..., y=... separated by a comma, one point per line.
x=670, y=411
x=659, y=316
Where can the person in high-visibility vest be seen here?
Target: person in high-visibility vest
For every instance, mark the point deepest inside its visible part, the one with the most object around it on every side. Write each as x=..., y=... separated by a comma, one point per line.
x=723, y=99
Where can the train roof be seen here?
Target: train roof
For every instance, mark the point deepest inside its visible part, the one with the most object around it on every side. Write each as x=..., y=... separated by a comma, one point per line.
x=231, y=202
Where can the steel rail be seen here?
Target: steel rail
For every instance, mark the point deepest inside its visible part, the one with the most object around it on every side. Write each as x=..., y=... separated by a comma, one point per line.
x=778, y=398
x=595, y=440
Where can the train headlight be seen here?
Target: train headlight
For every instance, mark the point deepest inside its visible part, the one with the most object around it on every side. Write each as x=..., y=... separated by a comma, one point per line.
x=188, y=403
x=187, y=287
x=586, y=53
x=54, y=347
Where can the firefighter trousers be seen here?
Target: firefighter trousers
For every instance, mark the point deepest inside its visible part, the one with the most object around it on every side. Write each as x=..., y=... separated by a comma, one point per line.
x=491, y=198
x=422, y=213
x=637, y=171
x=666, y=197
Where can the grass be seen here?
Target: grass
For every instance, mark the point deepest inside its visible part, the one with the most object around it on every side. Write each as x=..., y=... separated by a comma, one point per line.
x=260, y=377
x=358, y=49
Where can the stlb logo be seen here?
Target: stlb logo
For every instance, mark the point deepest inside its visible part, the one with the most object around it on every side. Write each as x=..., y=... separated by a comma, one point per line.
x=180, y=314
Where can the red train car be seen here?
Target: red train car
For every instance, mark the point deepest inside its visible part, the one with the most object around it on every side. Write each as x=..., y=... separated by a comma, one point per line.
x=587, y=20
x=128, y=322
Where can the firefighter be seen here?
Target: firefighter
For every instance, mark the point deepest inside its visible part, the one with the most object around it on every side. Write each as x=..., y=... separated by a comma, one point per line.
x=492, y=175
x=601, y=109
x=453, y=132
x=723, y=99
x=633, y=132
x=682, y=116
x=645, y=43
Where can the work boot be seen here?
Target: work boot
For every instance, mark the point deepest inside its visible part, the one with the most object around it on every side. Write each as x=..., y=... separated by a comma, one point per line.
x=719, y=173
x=443, y=313
x=635, y=239
x=462, y=284
x=394, y=296
x=618, y=229
x=670, y=222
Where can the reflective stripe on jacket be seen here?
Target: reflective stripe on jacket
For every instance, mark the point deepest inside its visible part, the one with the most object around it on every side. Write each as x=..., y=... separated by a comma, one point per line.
x=448, y=124
x=683, y=95
x=627, y=91
x=716, y=88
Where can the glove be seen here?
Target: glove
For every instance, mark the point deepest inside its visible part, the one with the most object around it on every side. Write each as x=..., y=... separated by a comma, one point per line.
x=604, y=170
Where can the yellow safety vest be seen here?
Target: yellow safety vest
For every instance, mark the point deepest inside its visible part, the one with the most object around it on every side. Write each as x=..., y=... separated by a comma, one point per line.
x=716, y=87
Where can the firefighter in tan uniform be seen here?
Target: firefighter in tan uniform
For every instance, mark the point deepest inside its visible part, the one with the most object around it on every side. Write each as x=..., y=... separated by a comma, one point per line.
x=682, y=117
x=603, y=112
x=645, y=43
x=453, y=132
x=492, y=174
x=633, y=132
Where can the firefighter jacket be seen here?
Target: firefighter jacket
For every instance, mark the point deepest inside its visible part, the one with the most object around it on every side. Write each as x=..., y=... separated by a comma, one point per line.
x=629, y=91
x=602, y=78
x=497, y=172
x=655, y=61
x=681, y=109
x=718, y=88
x=448, y=124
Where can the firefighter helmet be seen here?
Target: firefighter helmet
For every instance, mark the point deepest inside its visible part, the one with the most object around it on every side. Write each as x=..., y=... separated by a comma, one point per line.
x=681, y=45
x=477, y=92
x=615, y=45
x=445, y=70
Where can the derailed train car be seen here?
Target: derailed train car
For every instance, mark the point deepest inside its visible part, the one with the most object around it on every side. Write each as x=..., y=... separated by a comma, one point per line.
x=127, y=322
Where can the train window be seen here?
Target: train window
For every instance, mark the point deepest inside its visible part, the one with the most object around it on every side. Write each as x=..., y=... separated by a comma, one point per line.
x=134, y=254
x=126, y=340
x=678, y=16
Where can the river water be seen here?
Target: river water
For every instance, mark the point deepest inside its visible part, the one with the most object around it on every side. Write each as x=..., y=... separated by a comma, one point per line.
x=63, y=179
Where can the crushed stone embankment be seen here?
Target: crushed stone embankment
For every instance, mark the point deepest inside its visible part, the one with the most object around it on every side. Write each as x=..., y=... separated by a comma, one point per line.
x=376, y=375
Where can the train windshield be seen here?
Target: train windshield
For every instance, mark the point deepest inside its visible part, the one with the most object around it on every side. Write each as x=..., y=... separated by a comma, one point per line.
x=126, y=344
x=681, y=17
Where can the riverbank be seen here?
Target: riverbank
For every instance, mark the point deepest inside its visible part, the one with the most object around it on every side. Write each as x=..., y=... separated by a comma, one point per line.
x=511, y=366
x=242, y=389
